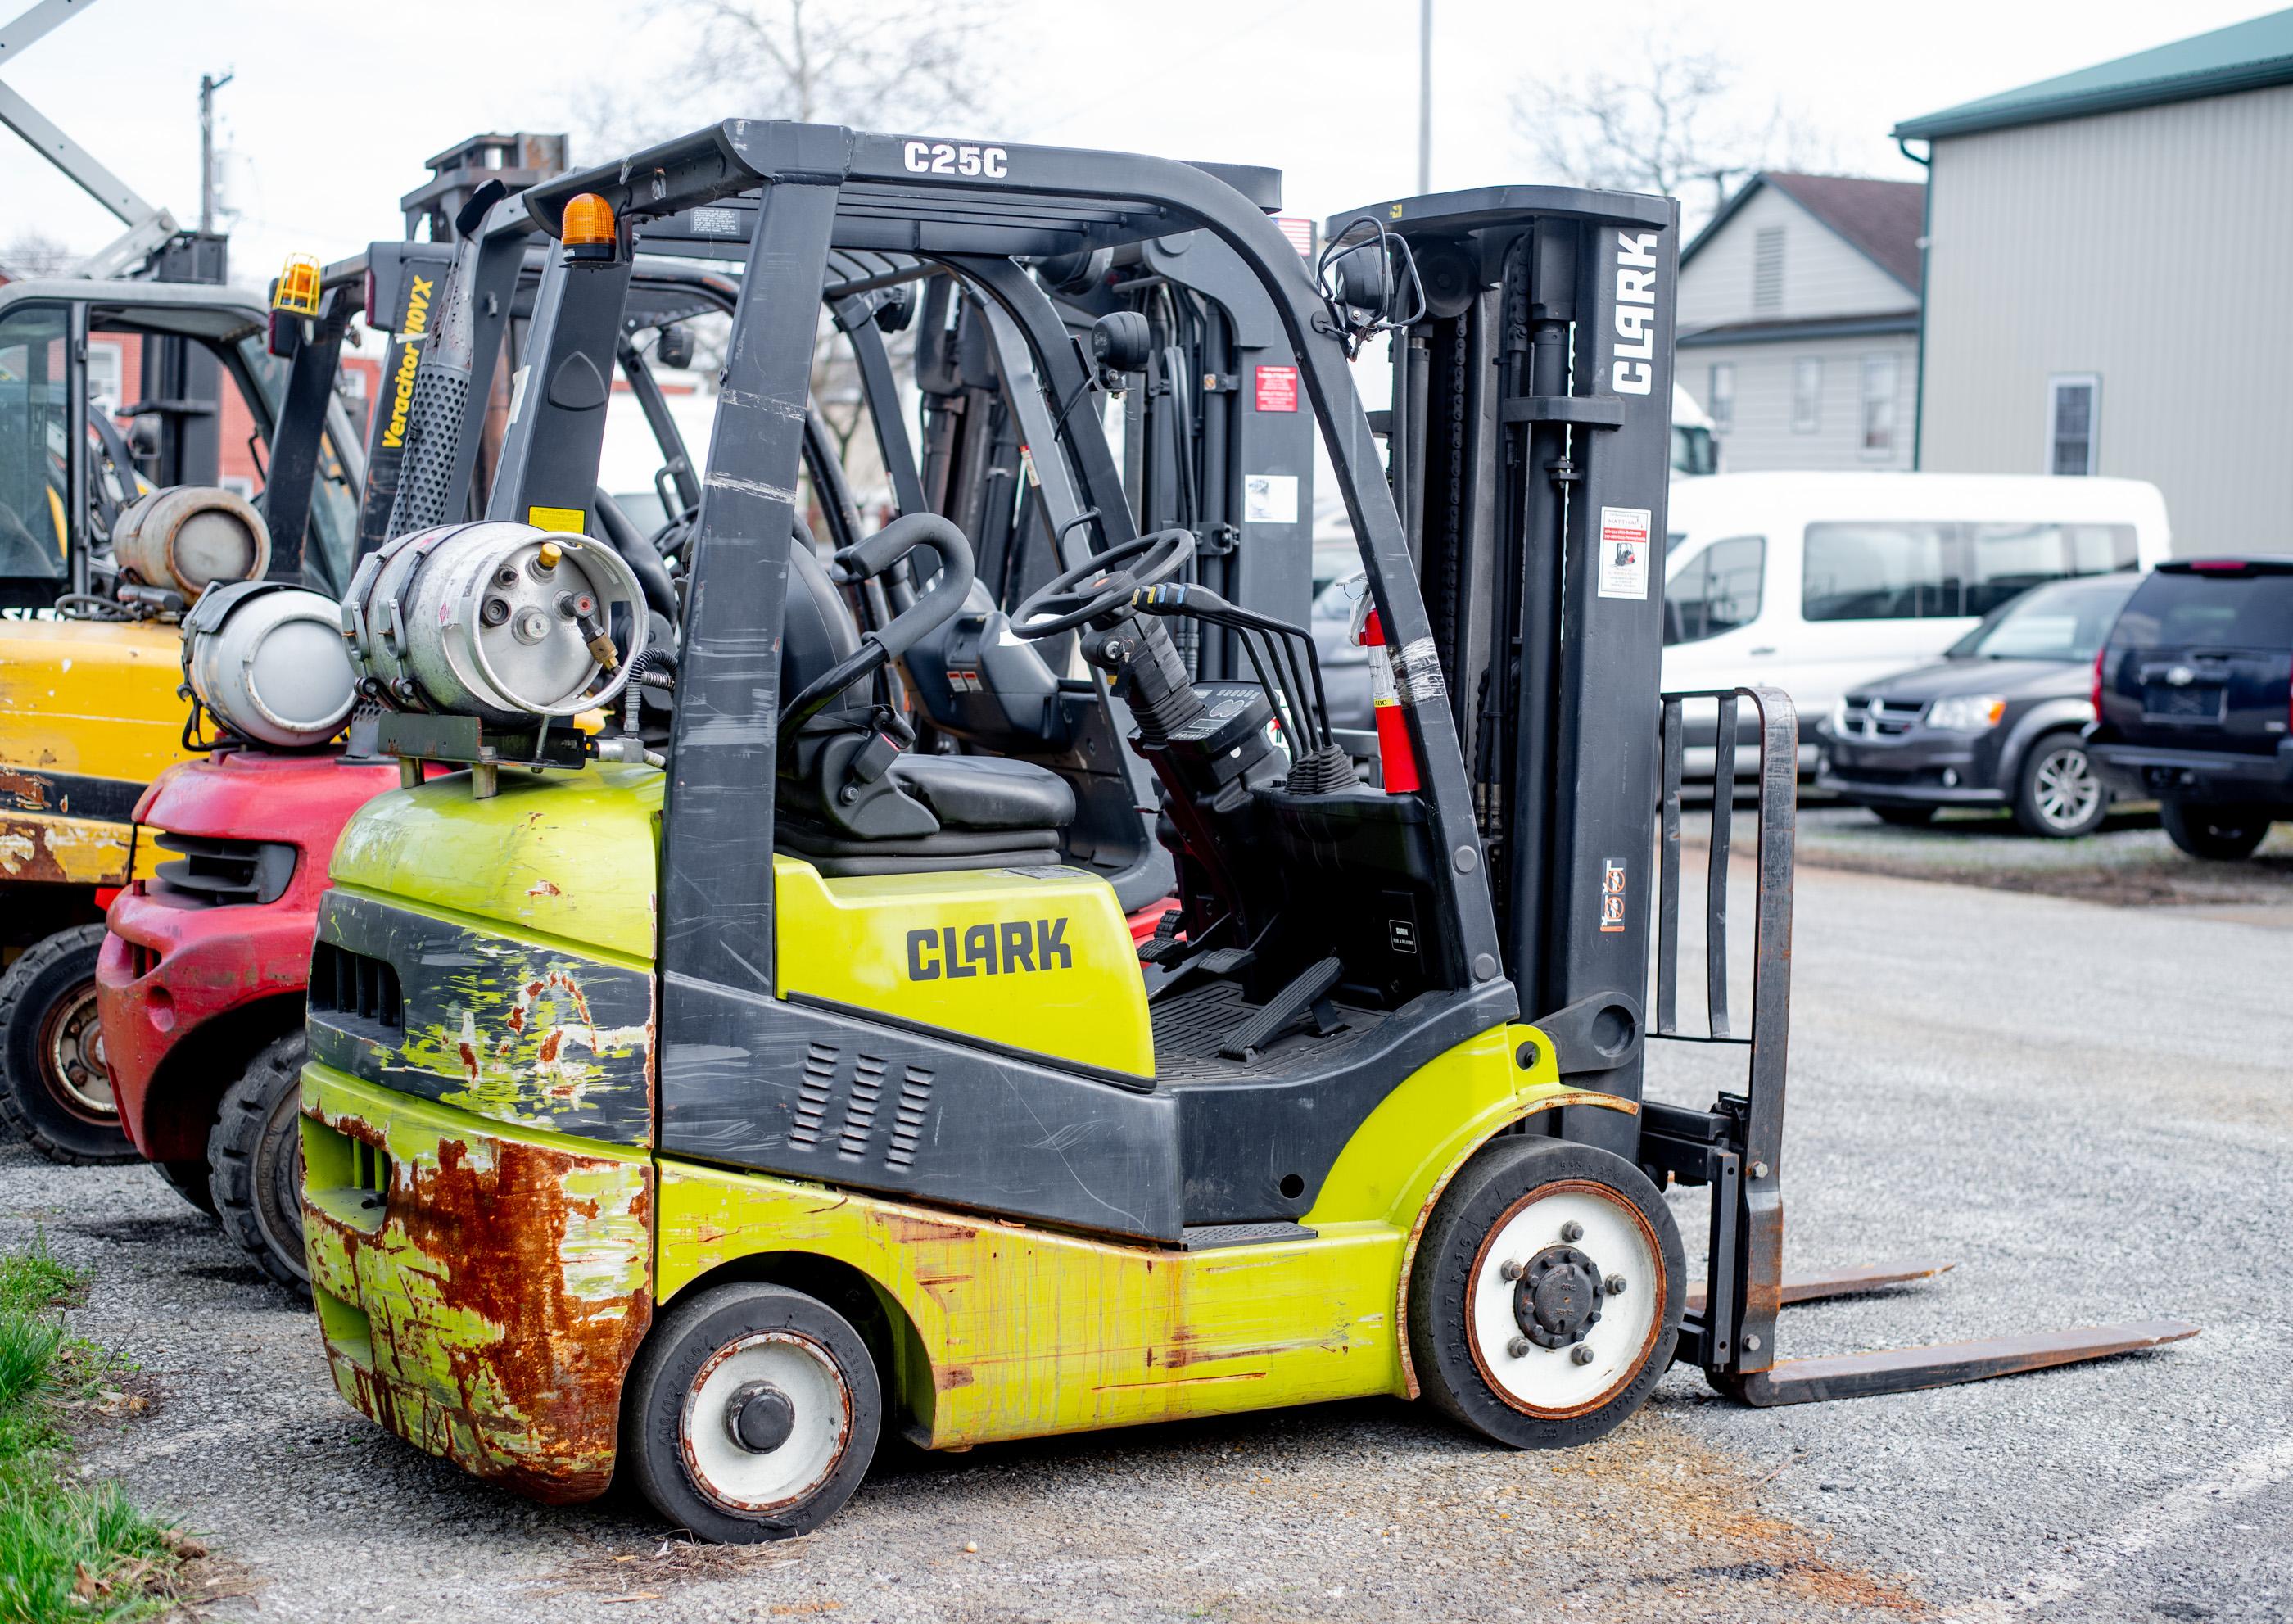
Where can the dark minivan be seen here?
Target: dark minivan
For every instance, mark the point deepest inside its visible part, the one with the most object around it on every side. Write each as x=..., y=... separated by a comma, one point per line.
x=1994, y=723
x=2193, y=701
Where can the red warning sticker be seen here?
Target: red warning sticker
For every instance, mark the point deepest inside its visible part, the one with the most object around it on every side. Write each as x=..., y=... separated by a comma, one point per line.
x=1277, y=388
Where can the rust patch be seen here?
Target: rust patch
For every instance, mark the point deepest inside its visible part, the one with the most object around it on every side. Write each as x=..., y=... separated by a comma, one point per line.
x=28, y=790
x=910, y=1228
x=1183, y=1381
x=488, y=1353
x=947, y=1379
x=24, y=854
x=543, y=888
x=550, y=1045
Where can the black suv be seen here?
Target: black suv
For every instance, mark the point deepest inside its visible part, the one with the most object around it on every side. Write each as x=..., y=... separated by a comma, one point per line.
x=1994, y=724
x=2193, y=701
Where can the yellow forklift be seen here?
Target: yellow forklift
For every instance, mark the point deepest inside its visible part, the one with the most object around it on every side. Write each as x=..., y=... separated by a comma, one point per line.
x=697, y=1098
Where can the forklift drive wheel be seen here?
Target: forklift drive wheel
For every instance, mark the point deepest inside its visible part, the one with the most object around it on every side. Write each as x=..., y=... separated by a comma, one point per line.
x=254, y=1160
x=53, y=1088
x=1546, y=1295
x=188, y=1179
x=752, y=1413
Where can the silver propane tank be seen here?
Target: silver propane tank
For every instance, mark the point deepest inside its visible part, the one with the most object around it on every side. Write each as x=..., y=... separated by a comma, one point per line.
x=267, y=661
x=188, y=538
x=496, y=619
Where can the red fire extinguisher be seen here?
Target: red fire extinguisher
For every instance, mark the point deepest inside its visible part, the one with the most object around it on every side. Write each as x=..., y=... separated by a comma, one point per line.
x=1397, y=762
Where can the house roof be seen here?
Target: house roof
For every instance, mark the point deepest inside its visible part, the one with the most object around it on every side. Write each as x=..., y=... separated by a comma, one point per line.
x=2244, y=56
x=1883, y=219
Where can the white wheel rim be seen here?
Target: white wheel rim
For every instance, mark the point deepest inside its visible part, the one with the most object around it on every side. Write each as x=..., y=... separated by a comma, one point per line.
x=1618, y=1241
x=2065, y=788
x=740, y=1479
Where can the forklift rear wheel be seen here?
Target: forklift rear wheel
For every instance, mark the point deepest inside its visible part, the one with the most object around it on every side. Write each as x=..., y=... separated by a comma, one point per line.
x=752, y=1413
x=254, y=1159
x=188, y=1179
x=1545, y=1298
x=55, y=1089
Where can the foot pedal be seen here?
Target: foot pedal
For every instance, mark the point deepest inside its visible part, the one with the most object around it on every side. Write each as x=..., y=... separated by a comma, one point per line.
x=1210, y=1237
x=1227, y=961
x=1284, y=1008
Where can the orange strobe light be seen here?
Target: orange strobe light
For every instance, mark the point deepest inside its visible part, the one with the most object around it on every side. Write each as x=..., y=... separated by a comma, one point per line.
x=296, y=293
x=589, y=229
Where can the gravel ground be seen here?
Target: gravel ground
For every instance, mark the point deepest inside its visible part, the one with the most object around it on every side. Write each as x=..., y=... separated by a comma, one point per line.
x=2089, y=1108
x=2128, y=860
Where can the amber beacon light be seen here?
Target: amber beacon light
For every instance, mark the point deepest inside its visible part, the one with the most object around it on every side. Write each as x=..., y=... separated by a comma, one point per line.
x=588, y=233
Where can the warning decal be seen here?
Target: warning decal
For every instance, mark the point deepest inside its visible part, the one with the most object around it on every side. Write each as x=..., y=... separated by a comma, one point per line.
x=1612, y=896
x=1624, y=552
x=1277, y=388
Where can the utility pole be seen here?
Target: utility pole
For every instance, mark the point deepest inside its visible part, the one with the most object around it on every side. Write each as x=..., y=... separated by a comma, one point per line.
x=1425, y=96
x=208, y=86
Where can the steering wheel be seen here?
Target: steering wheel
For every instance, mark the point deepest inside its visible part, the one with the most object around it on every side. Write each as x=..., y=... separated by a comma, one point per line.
x=1100, y=586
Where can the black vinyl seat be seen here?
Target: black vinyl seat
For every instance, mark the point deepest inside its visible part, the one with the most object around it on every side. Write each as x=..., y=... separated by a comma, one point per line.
x=847, y=814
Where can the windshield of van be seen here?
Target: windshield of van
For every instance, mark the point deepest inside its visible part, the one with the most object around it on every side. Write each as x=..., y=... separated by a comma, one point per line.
x=2064, y=621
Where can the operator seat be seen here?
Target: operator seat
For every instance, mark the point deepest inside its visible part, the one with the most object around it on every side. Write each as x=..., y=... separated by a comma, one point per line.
x=854, y=803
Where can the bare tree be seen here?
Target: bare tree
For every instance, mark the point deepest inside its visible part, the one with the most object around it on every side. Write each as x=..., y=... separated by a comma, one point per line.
x=1678, y=126
x=32, y=253
x=900, y=64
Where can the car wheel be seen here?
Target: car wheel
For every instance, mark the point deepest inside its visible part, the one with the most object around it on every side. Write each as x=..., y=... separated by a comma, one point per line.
x=2219, y=834
x=55, y=1089
x=1544, y=1300
x=2056, y=793
x=752, y=1413
x=254, y=1160
x=1906, y=818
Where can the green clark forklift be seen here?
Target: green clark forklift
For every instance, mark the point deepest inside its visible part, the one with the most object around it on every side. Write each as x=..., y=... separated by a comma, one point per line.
x=699, y=1099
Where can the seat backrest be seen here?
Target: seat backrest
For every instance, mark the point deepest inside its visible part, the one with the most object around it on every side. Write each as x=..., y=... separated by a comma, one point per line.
x=819, y=629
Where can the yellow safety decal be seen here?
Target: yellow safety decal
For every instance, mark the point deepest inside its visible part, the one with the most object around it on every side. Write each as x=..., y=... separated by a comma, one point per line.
x=572, y=519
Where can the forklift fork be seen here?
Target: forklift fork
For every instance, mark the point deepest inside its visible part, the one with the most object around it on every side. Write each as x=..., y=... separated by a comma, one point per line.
x=1736, y=1147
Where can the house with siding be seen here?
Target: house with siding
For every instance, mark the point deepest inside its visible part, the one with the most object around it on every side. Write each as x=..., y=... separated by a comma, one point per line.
x=2106, y=279
x=1799, y=322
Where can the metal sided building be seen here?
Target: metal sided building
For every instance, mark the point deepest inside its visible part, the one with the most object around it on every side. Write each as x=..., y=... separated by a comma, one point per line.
x=2107, y=288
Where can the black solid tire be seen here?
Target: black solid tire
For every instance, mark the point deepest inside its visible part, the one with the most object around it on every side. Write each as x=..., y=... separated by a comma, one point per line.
x=2218, y=833
x=48, y=975
x=188, y=1179
x=2028, y=816
x=254, y=1159
x=689, y=1336
x=1906, y=818
x=1502, y=1179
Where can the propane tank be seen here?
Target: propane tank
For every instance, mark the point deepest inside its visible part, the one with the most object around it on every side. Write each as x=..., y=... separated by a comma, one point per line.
x=267, y=661
x=188, y=538
x=501, y=621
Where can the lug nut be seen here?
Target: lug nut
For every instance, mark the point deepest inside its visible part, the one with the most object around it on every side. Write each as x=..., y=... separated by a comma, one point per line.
x=1572, y=1231
x=1614, y=1284
x=1518, y=1347
x=494, y=610
x=1581, y=1354
x=1509, y=1270
x=506, y=576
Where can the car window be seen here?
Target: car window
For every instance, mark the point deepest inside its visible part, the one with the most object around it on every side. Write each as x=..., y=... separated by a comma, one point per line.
x=2172, y=609
x=1717, y=590
x=2065, y=620
x=1880, y=570
x=2006, y=560
x=1336, y=601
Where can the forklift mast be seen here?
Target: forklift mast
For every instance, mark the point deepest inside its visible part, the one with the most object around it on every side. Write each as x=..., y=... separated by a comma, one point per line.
x=1528, y=446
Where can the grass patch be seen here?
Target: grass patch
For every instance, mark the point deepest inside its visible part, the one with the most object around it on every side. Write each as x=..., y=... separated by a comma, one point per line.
x=69, y=1550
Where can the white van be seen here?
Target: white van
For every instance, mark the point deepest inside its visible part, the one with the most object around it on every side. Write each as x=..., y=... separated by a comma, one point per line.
x=1816, y=582
x=1695, y=451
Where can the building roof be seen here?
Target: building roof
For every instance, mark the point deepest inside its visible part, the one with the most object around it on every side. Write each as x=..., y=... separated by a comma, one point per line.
x=1799, y=329
x=2244, y=56
x=1883, y=219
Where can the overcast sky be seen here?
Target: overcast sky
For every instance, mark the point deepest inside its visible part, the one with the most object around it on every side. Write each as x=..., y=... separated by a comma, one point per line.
x=335, y=106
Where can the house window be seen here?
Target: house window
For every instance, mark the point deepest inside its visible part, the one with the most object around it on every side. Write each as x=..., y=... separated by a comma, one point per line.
x=1768, y=271
x=1721, y=401
x=2073, y=422
x=1878, y=405
x=1807, y=394
x=107, y=373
